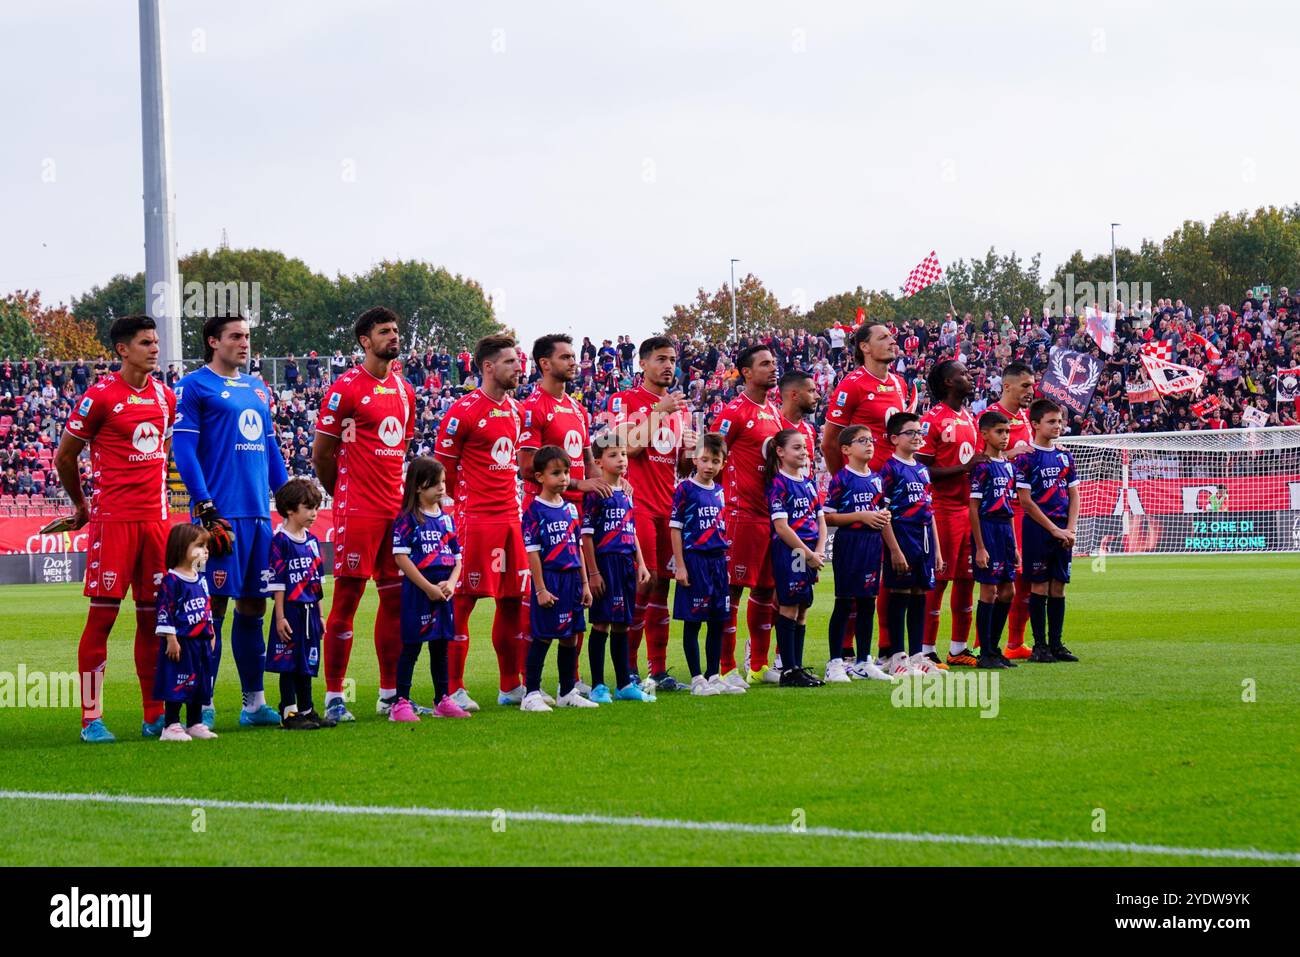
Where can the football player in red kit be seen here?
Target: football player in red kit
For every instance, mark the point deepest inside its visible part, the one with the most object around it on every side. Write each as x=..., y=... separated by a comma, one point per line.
x=658, y=443
x=948, y=439
x=747, y=424
x=363, y=428
x=126, y=417
x=477, y=442
x=869, y=395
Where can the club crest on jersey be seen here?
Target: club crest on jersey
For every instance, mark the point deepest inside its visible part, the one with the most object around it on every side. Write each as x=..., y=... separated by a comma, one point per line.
x=474, y=578
x=257, y=392
x=354, y=560
x=219, y=579
x=334, y=401
x=110, y=579
x=84, y=408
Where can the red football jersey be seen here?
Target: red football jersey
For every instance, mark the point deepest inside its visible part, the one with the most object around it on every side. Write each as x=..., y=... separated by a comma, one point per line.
x=1021, y=430
x=810, y=436
x=127, y=430
x=747, y=428
x=863, y=398
x=374, y=421
x=477, y=440
x=551, y=421
x=950, y=437
x=653, y=473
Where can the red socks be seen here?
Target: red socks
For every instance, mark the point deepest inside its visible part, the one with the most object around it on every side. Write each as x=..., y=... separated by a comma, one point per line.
x=388, y=631
x=849, y=646
x=92, y=655
x=656, y=634
x=505, y=642
x=759, y=616
x=146, y=658
x=634, y=632
x=728, y=663
x=933, y=606
x=338, y=630
x=963, y=591
x=462, y=606
x=1019, y=616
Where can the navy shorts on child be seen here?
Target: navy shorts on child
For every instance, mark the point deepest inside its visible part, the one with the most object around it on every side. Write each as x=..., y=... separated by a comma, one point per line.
x=566, y=617
x=429, y=540
x=795, y=500
x=614, y=605
x=1043, y=557
x=184, y=610
x=698, y=513
x=858, y=549
x=296, y=571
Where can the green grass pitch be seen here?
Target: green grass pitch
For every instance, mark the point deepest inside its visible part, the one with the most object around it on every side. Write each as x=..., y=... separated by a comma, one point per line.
x=1150, y=728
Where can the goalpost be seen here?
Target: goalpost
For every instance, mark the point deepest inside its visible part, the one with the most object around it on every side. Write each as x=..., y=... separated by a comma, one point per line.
x=1183, y=493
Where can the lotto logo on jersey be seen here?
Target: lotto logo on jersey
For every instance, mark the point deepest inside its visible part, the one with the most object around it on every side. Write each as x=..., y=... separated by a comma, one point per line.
x=334, y=402
x=390, y=431
x=452, y=426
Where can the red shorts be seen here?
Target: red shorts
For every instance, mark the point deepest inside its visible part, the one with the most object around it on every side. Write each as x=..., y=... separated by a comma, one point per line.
x=495, y=563
x=363, y=548
x=655, y=540
x=749, y=560
x=955, y=544
x=126, y=553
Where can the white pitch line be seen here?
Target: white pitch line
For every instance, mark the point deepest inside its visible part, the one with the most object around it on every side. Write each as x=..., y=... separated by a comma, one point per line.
x=659, y=823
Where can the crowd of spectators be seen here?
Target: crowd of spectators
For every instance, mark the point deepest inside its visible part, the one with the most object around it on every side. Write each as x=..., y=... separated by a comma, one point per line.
x=1249, y=342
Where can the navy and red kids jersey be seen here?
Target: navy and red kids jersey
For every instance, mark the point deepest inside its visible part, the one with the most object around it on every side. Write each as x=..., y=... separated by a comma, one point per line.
x=429, y=540
x=907, y=491
x=795, y=500
x=852, y=491
x=609, y=522
x=994, y=484
x=184, y=607
x=698, y=513
x=553, y=531
x=295, y=567
x=1048, y=474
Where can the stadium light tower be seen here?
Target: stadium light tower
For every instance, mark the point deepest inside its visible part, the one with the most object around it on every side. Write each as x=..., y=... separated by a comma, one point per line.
x=161, y=292
x=733, y=300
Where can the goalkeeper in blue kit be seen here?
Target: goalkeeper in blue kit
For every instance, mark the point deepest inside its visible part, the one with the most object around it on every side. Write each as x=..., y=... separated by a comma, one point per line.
x=228, y=457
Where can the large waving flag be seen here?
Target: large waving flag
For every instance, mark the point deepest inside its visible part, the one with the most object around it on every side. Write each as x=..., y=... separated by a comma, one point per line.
x=926, y=273
x=1212, y=354
x=1170, y=378
x=1101, y=326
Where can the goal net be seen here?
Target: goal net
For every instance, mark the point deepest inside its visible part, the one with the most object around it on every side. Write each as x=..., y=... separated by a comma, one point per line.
x=1230, y=490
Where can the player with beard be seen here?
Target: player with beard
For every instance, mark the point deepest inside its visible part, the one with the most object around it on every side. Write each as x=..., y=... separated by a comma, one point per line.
x=949, y=437
x=126, y=418
x=869, y=395
x=1017, y=395
x=365, y=423
x=477, y=444
x=798, y=402
x=553, y=417
x=658, y=442
x=747, y=424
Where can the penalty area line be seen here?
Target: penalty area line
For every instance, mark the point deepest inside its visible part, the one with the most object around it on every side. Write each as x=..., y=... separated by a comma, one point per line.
x=657, y=823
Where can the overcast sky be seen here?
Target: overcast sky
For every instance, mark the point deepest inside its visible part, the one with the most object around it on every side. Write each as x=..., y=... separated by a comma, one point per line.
x=594, y=163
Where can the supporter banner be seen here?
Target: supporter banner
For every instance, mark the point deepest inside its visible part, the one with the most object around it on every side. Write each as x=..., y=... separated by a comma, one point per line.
x=1071, y=378
x=1170, y=378
x=1142, y=391
x=22, y=536
x=1101, y=326
x=1254, y=418
x=1288, y=385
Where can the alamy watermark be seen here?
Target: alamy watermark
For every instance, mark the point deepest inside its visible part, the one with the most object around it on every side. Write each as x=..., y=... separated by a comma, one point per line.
x=1082, y=296
x=50, y=689
x=969, y=689
x=199, y=300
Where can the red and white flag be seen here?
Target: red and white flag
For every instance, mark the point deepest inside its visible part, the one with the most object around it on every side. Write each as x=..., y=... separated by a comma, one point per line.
x=1212, y=354
x=1159, y=349
x=1101, y=326
x=1169, y=378
x=1207, y=405
x=927, y=273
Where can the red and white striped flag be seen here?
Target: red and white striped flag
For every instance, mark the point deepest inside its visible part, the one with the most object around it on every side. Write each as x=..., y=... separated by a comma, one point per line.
x=1212, y=355
x=927, y=273
x=1159, y=349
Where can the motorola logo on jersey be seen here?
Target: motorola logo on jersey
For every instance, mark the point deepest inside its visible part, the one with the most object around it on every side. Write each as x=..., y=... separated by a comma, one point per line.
x=147, y=441
x=965, y=452
x=573, y=444
x=503, y=454
x=250, y=425
x=664, y=440
x=390, y=431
